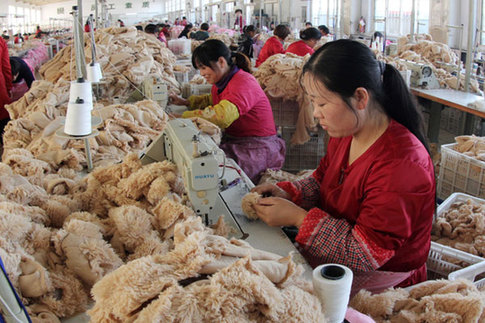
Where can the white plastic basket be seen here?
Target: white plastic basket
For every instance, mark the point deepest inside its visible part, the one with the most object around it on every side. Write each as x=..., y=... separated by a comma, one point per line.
x=460, y=173
x=440, y=257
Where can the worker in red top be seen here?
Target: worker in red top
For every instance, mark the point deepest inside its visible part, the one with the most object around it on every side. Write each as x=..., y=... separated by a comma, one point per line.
x=309, y=38
x=239, y=23
x=184, y=21
x=5, y=86
x=87, y=28
x=38, y=32
x=274, y=45
x=370, y=203
x=238, y=105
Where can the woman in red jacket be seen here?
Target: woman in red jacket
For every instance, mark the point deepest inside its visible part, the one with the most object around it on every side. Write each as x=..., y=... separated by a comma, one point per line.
x=309, y=38
x=370, y=203
x=5, y=86
x=238, y=105
x=273, y=45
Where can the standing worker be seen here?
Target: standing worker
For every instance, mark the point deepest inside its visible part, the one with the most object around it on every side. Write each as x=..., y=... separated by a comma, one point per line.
x=5, y=86
x=370, y=203
x=308, y=39
x=239, y=23
x=274, y=45
x=238, y=105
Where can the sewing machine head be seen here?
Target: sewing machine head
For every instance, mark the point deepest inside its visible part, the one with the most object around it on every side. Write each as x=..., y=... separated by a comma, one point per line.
x=422, y=75
x=194, y=153
x=155, y=89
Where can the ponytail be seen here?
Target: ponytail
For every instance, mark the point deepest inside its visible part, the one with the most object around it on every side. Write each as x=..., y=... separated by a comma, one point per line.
x=400, y=105
x=242, y=61
x=344, y=65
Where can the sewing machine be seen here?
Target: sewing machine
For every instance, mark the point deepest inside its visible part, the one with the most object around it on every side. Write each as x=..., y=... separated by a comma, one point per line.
x=422, y=75
x=155, y=89
x=215, y=185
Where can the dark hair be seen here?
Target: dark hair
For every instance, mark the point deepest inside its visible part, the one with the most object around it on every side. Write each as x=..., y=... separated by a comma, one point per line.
x=281, y=31
x=344, y=65
x=185, y=31
x=238, y=10
x=310, y=33
x=209, y=52
x=249, y=28
x=150, y=28
x=14, y=66
x=308, y=23
x=377, y=34
x=204, y=26
x=184, y=18
x=138, y=27
x=324, y=29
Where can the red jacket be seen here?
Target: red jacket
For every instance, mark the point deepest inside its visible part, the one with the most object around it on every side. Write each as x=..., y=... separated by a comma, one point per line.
x=271, y=47
x=375, y=214
x=5, y=79
x=86, y=28
x=255, y=114
x=300, y=48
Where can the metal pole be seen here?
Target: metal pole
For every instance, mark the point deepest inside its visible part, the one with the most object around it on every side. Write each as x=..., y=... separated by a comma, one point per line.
x=261, y=3
x=413, y=21
x=81, y=38
x=471, y=34
x=96, y=14
x=79, y=74
x=93, y=45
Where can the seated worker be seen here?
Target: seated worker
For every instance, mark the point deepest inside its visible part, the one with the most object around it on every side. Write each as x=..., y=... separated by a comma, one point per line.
x=186, y=31
x=308, y=24
x=22, y=77
x=308, y=39
x=160, y=34
x=238, y=105
x=369, y=205
x=246, y=46
x=18, y=39
x=324, y=30
x=201, y=34
x=274, y=45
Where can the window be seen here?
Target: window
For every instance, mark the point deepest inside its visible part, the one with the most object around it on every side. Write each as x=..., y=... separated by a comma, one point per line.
x=324, y=12
x=128, y=5
x=394, y=17
x=60, y=11
x=145, y=4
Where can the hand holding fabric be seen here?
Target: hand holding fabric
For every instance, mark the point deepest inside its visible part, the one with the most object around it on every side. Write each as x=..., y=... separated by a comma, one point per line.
x=268, y=189
x=277, y=211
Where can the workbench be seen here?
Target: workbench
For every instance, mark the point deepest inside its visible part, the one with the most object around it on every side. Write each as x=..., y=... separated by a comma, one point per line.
x=438, y=99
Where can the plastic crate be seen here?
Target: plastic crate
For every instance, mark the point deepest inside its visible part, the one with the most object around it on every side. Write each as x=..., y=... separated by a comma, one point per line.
x=285, y=112
x=460, y=173
x=440, y=265
x=440, y=260
x=306, y=156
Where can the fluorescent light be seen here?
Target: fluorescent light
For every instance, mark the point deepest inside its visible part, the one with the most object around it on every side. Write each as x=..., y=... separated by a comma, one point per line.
x=131, y=14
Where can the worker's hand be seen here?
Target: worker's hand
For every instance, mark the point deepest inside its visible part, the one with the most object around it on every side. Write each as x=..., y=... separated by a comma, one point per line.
x=175, y=99
x=268, y=189
x=276, y=211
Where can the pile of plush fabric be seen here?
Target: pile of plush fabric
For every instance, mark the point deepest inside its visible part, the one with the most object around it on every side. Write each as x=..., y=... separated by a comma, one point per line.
x=279, y=76
x=462, y=226
x=436, y=301
x=62, y=234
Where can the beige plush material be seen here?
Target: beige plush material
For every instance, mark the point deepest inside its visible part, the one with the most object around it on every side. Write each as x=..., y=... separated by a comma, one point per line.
x=247, y=203
x=279, y=76
x=34, y=280
x=239, y=290
x=431, y=301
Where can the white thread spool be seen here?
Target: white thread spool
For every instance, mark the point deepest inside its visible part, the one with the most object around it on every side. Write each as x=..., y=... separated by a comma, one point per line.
x=82, y=90
x=78, y=118
x=94, y=73
x=332, y=284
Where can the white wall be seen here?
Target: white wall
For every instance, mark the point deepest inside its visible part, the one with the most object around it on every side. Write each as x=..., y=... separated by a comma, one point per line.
x=129, y=16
